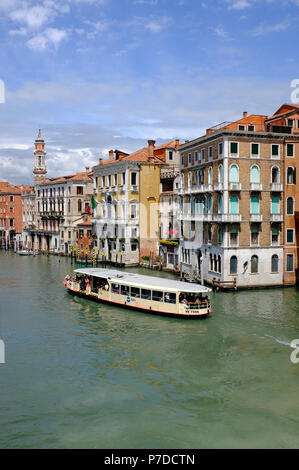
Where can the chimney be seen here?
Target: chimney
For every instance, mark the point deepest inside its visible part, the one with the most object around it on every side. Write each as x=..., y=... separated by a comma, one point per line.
x=111, y=154
x=244, y=114
x=151, y=146
x=101, y=161
x=87, y=168
x=177, y=142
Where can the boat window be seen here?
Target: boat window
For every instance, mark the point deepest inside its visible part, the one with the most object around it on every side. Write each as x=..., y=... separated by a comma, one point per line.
x=116, y=288
x=170, y=297
x=157, y=295
x=135, y=292
x=146, y=294
x=125, y=290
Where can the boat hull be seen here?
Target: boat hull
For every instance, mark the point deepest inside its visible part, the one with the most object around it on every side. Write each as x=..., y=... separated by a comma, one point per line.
x=138, y=308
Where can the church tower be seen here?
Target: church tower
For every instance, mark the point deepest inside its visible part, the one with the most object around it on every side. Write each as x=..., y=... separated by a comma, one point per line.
x=40, y=170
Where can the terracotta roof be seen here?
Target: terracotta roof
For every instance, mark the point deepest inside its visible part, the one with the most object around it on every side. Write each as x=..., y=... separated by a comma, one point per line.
x=81, y=176
x=8, y=188
x=279, y=112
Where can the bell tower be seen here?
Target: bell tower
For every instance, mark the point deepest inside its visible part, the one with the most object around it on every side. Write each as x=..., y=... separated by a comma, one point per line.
x=40, y=170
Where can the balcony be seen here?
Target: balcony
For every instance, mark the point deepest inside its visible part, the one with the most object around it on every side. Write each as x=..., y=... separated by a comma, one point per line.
x=276, y=187
x=227, y=218
x=279, y=129
x=122, y=187
x=218, y=186
x=276, y=217
x=235, y=186
x=256, y=218
x=256, y=187
x=134, y=188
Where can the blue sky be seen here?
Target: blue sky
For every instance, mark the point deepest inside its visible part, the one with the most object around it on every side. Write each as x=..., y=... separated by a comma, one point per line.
x=101, y=74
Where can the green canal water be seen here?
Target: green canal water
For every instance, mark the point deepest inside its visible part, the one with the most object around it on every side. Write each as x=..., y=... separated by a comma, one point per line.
x=82, y=375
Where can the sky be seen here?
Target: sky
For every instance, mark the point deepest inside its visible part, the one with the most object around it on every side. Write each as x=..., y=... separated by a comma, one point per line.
x=96, y=75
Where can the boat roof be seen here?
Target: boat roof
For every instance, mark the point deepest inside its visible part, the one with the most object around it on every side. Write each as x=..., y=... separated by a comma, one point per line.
x=149, y=282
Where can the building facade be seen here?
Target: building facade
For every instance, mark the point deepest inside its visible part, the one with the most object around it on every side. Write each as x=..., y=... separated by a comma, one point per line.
x=127, y=190
x=232, y=203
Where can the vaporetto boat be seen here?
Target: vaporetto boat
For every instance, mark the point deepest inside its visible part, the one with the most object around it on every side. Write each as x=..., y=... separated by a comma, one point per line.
x=147, y=293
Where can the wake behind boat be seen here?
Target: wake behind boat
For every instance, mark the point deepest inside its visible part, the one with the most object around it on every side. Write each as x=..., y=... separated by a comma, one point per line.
x=150, y=294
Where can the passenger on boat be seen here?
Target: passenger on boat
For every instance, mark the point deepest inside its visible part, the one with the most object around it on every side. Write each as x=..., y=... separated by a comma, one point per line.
x=167, y=297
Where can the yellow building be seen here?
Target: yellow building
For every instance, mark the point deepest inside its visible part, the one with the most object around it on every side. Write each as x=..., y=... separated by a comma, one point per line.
x=127, y=192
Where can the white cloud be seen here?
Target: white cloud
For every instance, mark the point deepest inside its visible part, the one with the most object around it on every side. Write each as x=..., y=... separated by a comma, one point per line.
x=264, y=29
x=239, y=4
x=33, y=17
x=51, y=37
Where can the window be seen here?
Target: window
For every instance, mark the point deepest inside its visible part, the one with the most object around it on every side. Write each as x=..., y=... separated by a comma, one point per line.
x=220, y=174
x=234, y=148
x=290, y=122
x=290, y=235
x=133, y=178
x=220, y=236
x=254, y=205
x=234, y=174
x=170, y=155
x=233, y=237
x=233, y=265
x=189, y=158
x=134, y=247
x=115, y=288
x=254, y=174
x=220, y=204
x=290, y=206
x=254, y=238
x=241, y=127
x=219, y=263
x=135, y=292
x=79, y=190
x=210, y=152
x=109, y=180
x=157, y=296
x=254, y=264
x=275, y=151
x=274, y=264
x=196, y=156
x=115, y=179
x=275, y=175
x=182, y=161
x=220, y=148
x=123, y=178
x=233, y=205
x=255, y=150
x=133, y=211
x=275, y=205
x=125, y=290
x=274, y=236
x=11, y=198
x=290, y=150
x=290, y=263
x=291, y=175
x=210, y=175
x=146, y=294
x=79, y=205
x=251, y=128
x=203, y=154
x=103, y=181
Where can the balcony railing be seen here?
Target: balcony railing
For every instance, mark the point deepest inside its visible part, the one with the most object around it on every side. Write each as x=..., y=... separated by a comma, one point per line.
x=256, y=186
x=276, y=217
x=235, y=186
x=218, y=186
x=256, y=217
x=276, y=187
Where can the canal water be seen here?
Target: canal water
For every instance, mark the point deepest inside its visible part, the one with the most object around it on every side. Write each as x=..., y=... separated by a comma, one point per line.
x=82, y=375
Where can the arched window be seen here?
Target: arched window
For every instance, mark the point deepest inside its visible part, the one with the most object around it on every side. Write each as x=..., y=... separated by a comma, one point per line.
x=234, y=174
x=275, y=175
x=69, y=206
x=220, y=204
x=291, y=175
x=233, y=205
x=233, y=265
x=211, y=262
x=210, y=205
x=274, y=264
x=215, y=264
x=210, y=176
x=219, y=263
x=254, y=264
x=220, y=174
x=254, y=174
x=79, y=205
x=290, y=206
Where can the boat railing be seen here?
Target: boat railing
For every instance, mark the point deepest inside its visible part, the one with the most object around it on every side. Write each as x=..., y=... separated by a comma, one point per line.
x=198, y=306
